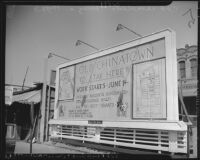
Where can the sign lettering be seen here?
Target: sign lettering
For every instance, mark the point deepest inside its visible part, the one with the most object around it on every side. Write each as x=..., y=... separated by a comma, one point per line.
x=103, y=86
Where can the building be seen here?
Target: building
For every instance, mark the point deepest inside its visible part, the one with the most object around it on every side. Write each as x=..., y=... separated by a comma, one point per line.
x=187, y=61
x=18, y=112
x=21, y=105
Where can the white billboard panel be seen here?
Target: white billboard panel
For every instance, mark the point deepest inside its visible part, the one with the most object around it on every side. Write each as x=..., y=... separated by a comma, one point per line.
x=127, y=82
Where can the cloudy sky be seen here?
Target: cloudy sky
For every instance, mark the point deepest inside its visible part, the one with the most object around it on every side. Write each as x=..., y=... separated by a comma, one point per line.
x=32, y=32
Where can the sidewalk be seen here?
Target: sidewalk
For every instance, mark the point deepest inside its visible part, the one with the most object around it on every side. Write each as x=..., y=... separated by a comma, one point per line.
x=23, y=147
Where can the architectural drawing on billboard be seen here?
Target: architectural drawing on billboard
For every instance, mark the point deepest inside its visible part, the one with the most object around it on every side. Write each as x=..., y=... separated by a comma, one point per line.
x=66, y=83
x=150, y=90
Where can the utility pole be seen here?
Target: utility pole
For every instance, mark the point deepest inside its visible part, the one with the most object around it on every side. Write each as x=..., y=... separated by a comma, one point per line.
x=25, y=78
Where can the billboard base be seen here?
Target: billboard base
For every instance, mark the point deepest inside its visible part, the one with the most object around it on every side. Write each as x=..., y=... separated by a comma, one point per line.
x=149, y=139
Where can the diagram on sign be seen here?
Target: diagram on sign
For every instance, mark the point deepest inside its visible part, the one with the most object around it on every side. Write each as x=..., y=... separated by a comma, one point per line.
x=149, y=90
x=150, y=86
x=66, y=85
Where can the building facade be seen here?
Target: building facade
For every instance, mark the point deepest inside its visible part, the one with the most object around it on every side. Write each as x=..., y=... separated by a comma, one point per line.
x=187, y=61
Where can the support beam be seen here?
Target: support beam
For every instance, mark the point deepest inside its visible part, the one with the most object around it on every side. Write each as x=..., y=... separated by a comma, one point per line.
x=32, y=119
x=43, y=103
x=47, y=114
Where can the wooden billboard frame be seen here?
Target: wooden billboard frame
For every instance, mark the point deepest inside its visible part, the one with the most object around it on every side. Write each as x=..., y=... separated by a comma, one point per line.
x=172, y=120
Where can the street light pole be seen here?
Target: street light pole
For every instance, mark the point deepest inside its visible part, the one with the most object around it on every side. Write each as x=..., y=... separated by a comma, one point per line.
x=51, y=55
x=120, y=26
x=79, y=42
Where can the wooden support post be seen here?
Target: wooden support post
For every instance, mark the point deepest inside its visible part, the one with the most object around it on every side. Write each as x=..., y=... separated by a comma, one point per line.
x=43, y=103
x=172, y=142
x=32, y=119
x=134, y=135
x=183, y=106
x=115, y=130
x=47, y=113
x=31, y=141
x=181, y=91
x=159, y=142
x=188, y=142
x=97, y=134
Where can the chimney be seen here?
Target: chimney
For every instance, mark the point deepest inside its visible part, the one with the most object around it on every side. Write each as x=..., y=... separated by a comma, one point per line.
x=186, y=46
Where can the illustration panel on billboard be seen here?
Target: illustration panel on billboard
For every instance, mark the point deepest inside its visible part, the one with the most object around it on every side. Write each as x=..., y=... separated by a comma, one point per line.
x=66, y=83
x=149, y=90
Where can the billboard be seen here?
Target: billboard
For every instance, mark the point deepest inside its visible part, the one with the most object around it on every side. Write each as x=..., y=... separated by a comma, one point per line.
x=127, y=82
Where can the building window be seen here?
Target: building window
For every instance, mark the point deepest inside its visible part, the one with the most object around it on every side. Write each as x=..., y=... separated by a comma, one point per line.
x=182, y=69
x=193, y=64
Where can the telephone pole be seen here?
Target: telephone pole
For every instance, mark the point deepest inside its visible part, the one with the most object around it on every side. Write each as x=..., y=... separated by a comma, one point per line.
x=25, y=78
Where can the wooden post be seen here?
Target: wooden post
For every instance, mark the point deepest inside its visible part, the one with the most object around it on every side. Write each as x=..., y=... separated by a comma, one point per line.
x=181, y=91
x=31, y=140
x=32, y=119
x=172, y=142
x=47, y=115
x=43, y=103
x=184, y=107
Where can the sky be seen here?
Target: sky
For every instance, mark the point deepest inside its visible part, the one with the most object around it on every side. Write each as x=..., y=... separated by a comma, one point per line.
x=32, y=32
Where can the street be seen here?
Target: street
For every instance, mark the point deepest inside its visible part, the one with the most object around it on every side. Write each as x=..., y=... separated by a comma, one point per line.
x=22, y=147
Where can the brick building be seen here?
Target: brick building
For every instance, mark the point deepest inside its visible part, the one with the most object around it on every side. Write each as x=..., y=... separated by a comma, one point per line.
x=187, y=61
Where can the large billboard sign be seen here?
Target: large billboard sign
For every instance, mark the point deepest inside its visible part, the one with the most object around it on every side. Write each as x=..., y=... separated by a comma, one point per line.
x=132, y=81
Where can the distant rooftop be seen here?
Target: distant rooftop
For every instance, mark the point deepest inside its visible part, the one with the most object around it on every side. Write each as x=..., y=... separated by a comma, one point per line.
x=187, y=49
x=37, y=86
x=14, y=85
